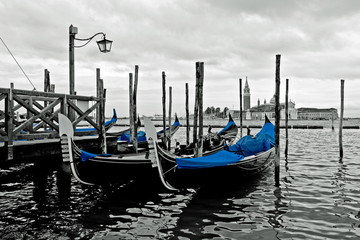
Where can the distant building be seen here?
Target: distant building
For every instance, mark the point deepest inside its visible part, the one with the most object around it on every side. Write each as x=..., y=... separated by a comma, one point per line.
x=317, y=113
x=246, y=96
x=259, y=111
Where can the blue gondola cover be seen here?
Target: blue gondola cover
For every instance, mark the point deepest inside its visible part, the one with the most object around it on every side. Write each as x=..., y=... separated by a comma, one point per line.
x=246, y=146
x=86, y=155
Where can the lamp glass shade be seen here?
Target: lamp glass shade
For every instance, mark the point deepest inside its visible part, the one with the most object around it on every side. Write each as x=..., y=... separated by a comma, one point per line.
x=104, y=45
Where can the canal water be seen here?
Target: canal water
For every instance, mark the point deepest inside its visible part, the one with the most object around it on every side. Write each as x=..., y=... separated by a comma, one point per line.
x=319, y=198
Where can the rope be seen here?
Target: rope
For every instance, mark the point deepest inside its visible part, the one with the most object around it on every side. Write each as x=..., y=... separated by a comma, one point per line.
x=18, y=64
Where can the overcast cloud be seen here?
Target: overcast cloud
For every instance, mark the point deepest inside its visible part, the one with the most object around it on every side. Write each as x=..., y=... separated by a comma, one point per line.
x=319, y=43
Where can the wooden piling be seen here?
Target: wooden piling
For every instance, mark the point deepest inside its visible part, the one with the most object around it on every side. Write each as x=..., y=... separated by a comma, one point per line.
x=286, y=117
x=9, y=124
x=240, y=116
x=201, y=109
x=46, y=89
x=164, y=107
x=46, y=80
x=136, y=79
x=102, y=133
x=332, y=121
x=196, y=109
x=341, y=119
x=170, y=103
x=100, y=111
x=52, y=88
x=131, y=105
x=187, y=114
x=98, y=95
x=277, y=121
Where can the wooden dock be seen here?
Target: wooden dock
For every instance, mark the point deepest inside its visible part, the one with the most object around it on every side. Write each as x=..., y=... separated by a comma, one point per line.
x=38, y=134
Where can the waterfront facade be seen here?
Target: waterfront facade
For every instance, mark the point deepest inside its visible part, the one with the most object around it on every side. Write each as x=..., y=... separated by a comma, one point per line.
x=317, y=113
x=258, y=112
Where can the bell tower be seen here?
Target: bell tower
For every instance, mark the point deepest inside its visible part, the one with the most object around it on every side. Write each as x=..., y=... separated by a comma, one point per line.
x=246, y=96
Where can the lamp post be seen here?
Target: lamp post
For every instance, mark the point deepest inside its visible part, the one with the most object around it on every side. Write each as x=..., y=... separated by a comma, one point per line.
x=104, y=46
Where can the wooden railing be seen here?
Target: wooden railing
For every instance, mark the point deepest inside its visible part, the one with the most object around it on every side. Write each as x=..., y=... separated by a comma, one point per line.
x=41, y=110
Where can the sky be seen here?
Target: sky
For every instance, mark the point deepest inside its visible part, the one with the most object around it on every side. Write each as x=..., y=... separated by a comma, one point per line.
x=319, y=44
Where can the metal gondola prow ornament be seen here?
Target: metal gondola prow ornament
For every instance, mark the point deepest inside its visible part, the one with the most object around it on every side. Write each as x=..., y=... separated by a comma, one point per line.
x=152, y=139
x=66, y=132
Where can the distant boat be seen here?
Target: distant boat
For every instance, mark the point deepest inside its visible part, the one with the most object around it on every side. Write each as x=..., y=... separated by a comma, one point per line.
x=157, y=117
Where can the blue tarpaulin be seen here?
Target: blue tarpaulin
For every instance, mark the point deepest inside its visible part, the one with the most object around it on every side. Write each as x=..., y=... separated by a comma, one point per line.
x=112, y=120
x=141, y=136
x=227, y=127
x=86, y=155
x=246, y=146
x=250, y=145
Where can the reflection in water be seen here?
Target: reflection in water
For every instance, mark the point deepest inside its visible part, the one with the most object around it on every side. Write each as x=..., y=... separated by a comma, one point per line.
x=319, y=198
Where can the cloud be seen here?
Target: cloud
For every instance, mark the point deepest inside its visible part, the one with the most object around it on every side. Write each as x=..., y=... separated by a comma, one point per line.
x=318, y=41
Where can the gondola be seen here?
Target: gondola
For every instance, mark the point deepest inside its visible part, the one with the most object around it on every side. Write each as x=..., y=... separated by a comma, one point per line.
x=124, y=145
x=89, y=168
x=213, y=142
x=90, y=131
x=247, y=157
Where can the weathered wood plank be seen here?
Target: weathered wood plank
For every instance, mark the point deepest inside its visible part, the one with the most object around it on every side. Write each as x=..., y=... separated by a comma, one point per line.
x=78, y=110
x=37, y=114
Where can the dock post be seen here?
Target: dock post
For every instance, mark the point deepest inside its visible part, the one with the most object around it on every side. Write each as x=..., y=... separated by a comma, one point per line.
x=196, y=109
x=187, y=114
x=102, y=134
x=201, y=109
x=277, y=121
x=170, y=102
x=164, y=107
x=286, y=118
x=131, y=116
x=136, y=79
x=100, y=114
x=46, y=89
x=9, y=124
x=240, y=116
x=341, y=118
x=332, y=121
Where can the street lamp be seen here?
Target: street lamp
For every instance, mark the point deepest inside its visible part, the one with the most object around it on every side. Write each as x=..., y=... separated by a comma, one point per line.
x=104, y=46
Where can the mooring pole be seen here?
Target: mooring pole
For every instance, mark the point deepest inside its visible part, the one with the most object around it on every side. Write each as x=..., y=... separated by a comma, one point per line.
x=341, y=119
x=196, y=109
x=286, y=118
x=187, y=114
x=277, y=121
x=9, y=123
x=201, y=112
x=102, y=134
x=131, y=106
x=170, y=103
x=240, y=116
x=164, y=107
x=136, y=79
